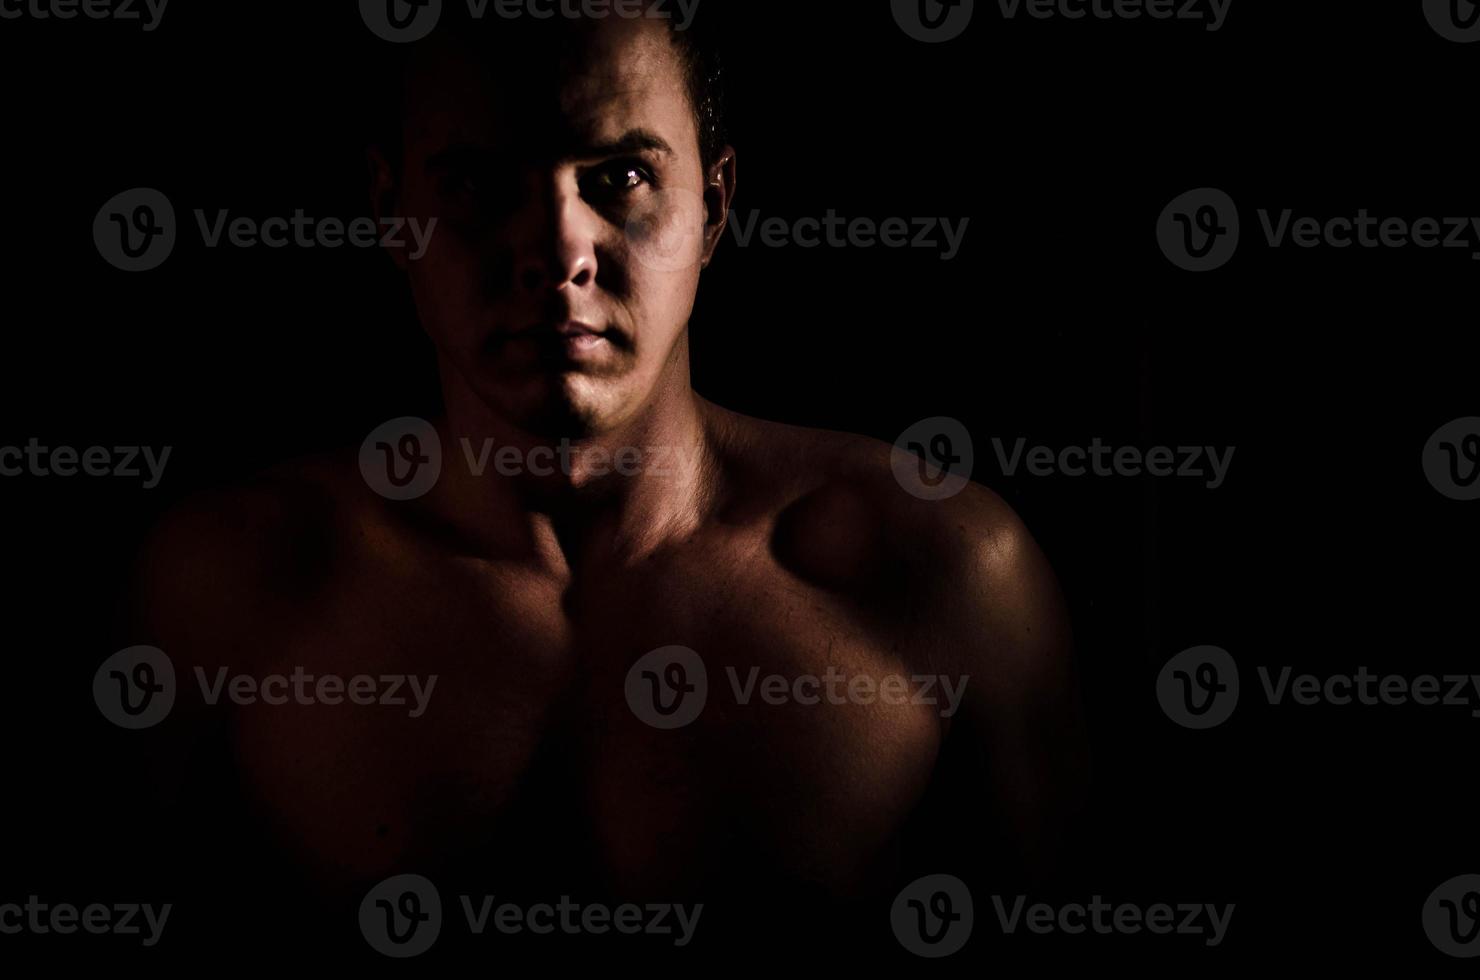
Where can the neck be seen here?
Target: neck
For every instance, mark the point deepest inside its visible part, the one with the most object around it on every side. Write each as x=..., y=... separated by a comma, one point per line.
x=572, y=501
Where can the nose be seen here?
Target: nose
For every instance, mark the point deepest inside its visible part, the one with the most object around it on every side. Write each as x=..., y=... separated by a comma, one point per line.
x=557, y=251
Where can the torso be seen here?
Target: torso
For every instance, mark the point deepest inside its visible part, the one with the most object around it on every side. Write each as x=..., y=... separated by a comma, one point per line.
x=528, y=768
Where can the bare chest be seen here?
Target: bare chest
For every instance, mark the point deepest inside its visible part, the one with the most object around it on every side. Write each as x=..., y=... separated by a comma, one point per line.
x=665, y=729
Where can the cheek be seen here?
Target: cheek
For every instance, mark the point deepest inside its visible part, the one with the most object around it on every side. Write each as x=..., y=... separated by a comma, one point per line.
x=444, y=279
x=663, y=246
x=665, y=232
x=667, y=298
x=445, y=285
x=660, y=305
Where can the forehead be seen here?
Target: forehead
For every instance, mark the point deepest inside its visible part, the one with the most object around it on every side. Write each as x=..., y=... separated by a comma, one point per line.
x=546, y=89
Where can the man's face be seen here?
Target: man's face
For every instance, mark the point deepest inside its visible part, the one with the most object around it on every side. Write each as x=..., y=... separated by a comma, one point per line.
x=573, y=221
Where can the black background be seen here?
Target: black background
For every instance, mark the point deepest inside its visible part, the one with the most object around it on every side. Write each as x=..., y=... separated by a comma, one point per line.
x=1060, y=321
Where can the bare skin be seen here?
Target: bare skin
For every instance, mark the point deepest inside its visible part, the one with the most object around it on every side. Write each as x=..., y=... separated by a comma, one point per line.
x=757, y=545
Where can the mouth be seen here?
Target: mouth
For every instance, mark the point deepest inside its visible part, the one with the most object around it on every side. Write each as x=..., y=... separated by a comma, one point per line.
x=566, y=342
x=580, y=338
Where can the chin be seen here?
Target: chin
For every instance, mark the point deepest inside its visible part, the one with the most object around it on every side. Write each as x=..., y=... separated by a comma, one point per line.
x=567, y=406
x=596, y=403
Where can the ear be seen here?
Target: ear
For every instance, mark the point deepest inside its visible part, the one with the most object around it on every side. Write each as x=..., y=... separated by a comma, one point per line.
x=719, y=195
x=385, y=195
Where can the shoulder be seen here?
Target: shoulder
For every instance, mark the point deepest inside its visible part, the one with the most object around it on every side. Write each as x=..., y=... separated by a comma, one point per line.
x=967, y=568
x=226, y=558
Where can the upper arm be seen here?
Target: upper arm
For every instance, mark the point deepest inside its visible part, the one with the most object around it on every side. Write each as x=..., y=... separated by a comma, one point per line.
x=1001, y=623
x=205, y=588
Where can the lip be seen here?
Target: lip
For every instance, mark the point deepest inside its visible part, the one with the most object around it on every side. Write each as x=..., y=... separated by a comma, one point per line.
x=577, y=329
x=544, y=330
x=567, y=341
x=560, y=345
x=583, y=343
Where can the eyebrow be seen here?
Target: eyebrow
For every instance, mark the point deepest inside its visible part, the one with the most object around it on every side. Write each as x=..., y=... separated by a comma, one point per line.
x=632, y=141
x=629, y=142
x=460, y=154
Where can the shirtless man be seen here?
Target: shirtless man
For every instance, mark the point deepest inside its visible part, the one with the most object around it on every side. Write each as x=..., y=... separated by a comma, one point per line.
x=578, y=204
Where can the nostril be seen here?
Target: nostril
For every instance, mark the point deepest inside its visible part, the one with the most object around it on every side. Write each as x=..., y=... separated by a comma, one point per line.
x=555, y=273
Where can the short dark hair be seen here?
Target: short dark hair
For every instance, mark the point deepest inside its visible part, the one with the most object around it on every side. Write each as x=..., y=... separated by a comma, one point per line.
x=698, y=44
x=702, y=52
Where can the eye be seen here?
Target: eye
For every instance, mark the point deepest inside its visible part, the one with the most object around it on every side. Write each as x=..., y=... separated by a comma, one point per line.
x=478, y=194
x=617, y=177
x=463, y=183
x=630, y=178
